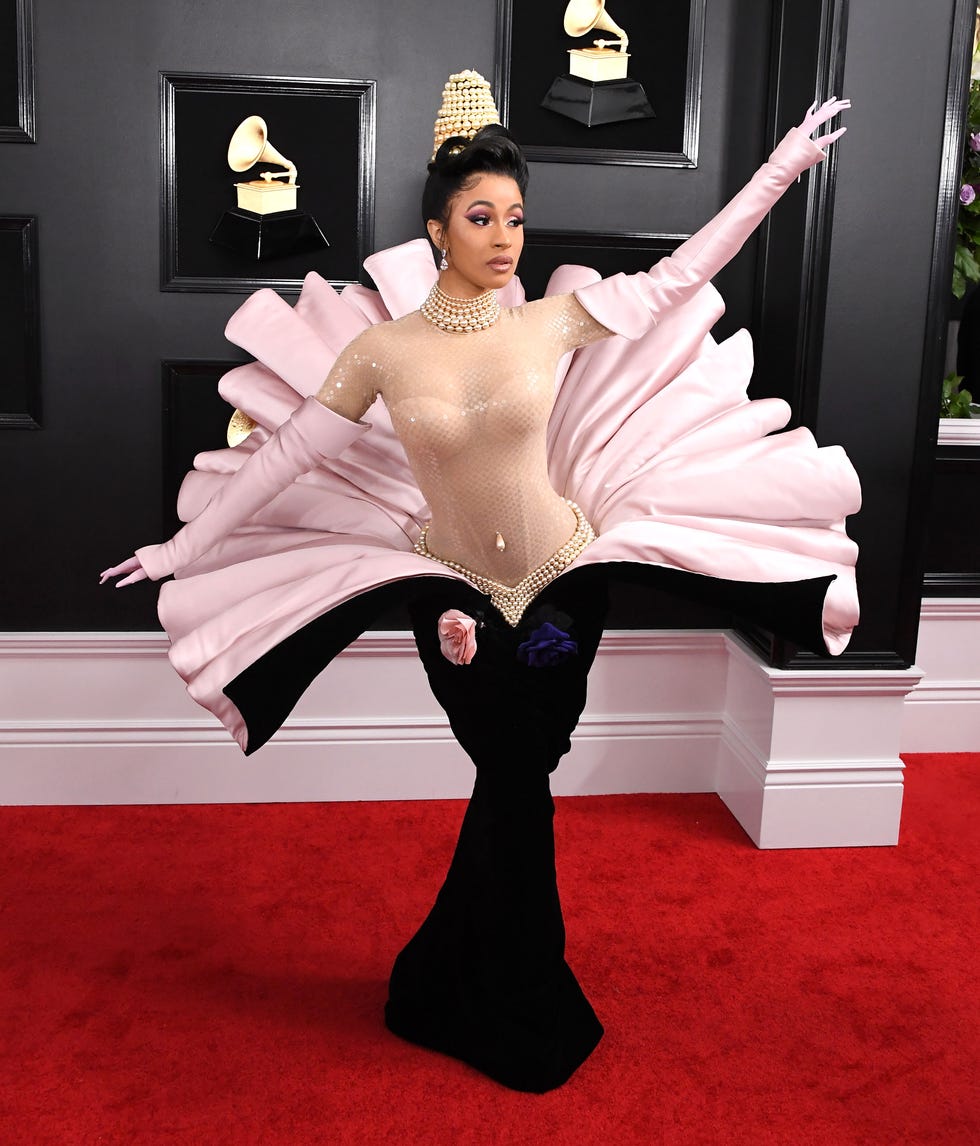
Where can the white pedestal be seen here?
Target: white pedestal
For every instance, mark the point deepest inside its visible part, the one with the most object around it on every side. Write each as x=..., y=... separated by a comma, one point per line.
x=810, y=759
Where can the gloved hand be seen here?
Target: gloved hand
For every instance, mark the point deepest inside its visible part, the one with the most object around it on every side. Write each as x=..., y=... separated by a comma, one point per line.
x=310, y=435
x=815, y=116
x=630, y=304
x=131, y=566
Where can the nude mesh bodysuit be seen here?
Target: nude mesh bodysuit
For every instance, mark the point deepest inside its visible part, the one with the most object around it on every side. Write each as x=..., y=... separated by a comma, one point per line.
x=471, y=411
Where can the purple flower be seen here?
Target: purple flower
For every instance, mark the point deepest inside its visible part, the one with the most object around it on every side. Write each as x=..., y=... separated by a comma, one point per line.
x=967, y=194
x=547, y=646
x=975, y=141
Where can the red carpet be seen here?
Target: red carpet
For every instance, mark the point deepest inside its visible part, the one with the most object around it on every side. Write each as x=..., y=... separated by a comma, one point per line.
x=216, y=975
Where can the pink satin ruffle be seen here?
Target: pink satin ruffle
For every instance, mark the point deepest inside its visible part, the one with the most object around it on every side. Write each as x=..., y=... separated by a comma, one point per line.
x=654, y=438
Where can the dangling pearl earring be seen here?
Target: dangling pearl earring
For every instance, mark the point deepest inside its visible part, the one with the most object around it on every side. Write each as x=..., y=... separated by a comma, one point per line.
x=444, y=266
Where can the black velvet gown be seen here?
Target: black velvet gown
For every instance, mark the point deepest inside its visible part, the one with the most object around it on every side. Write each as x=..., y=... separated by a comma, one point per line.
x=485, y=977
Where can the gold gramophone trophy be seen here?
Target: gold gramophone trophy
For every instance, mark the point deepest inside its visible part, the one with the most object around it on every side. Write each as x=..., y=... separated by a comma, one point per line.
x=596, y=88
x=267, y=223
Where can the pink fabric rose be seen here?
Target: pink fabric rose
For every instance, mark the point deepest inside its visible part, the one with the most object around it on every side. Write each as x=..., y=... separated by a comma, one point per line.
x=457, y=637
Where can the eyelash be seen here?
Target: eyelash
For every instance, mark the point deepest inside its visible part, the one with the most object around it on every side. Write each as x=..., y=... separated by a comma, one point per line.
x=484, y=220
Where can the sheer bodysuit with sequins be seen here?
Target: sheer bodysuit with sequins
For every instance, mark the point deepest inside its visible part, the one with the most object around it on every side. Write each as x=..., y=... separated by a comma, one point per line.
x=471, y=411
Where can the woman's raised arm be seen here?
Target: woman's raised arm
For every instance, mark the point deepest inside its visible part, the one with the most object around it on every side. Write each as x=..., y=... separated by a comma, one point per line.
x=630, y=304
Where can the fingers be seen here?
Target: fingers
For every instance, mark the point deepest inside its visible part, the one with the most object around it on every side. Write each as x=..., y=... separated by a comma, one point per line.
x=825, y=141
x=114, y=570
x=827, y=110
x=139, y=575
x=818, y=114
x=130, y=566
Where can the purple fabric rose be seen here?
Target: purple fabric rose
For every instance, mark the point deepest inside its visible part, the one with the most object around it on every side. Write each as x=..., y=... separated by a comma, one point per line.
x=967, y=194
x=547, y=646
x=975, y=141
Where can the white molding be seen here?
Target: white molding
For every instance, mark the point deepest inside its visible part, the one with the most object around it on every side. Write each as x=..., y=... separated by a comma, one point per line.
x=823, y=682
x=326, y=731
x=948, y=692
x=102, y=718
x=950, y=608
x=942, y=714
x=770, y=774
x=803, y=759
x=155, y=645
x=959, y=432
x=381, y=643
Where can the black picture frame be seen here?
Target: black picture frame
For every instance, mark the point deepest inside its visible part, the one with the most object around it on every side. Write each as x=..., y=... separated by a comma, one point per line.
x=16, y=71
x=20, y=336
x=325, y=126
x=532, y=49
x=195, y=419
x=608, y=252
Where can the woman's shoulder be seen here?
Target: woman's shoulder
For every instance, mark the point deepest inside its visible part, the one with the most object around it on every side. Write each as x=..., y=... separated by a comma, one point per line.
x=377, y=334
x=542, y=309
x=380, y=347
x=562, y=319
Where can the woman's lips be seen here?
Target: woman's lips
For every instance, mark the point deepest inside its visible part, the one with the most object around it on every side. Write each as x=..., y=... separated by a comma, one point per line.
x=503, y=263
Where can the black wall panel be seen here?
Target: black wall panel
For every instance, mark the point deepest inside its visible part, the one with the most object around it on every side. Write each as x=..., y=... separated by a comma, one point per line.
x=952, y=552
x=83, y=491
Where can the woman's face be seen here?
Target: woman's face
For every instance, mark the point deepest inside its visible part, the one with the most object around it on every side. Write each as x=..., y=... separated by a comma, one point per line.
x=484, y=236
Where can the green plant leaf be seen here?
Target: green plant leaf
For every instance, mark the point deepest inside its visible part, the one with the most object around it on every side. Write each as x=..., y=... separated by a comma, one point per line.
x=954, y=402
x=965, y=261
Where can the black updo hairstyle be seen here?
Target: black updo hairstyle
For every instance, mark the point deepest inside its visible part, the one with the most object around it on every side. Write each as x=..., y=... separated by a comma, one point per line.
x=492, y=151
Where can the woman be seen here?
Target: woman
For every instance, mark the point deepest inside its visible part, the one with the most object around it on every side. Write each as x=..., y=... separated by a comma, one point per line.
x=479, y=505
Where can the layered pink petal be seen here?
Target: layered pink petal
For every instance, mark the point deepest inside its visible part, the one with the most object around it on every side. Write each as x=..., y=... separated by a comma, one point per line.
x=655, y=438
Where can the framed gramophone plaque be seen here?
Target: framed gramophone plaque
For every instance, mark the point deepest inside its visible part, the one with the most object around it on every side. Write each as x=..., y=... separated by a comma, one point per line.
x=602, y=81
x=16, y=71
x=263, y=180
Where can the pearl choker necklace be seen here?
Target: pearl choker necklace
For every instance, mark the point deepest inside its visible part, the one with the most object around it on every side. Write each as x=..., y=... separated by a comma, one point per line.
x=460, y=315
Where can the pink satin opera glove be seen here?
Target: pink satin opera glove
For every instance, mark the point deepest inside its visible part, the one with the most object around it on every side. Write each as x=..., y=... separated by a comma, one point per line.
x=630, y=304
x=312, y=434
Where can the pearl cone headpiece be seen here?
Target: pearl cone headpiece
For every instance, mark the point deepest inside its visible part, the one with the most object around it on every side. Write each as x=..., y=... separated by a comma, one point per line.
x=467, y=105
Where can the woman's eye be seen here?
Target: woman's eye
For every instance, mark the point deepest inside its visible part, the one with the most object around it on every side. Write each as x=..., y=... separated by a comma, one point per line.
x=480, y=220
x=515, y=222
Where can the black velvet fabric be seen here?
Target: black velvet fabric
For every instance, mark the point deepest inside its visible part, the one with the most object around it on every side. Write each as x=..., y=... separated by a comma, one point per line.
x=267, y=691
x=485, y=978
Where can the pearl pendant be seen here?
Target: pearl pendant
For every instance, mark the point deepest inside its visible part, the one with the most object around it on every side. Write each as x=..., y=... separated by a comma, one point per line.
x=500, y=543
x=512, y=600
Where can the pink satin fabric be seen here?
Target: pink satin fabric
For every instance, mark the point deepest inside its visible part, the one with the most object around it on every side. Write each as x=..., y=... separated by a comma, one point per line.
x=651, y=434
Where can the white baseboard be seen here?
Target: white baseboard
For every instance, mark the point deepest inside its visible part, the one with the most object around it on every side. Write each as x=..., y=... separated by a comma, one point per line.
x=942, y=713
x=102, y=718
x=802, y=759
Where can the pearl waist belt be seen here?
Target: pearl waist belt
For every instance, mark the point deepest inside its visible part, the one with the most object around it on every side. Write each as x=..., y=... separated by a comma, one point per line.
x=512, y=600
